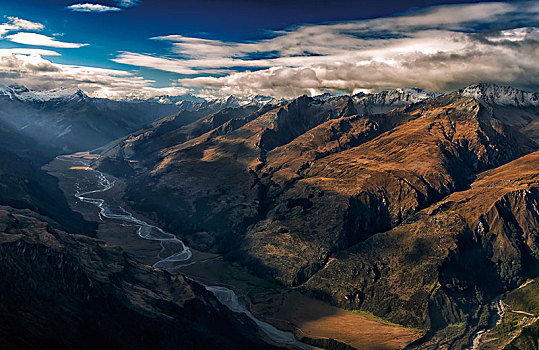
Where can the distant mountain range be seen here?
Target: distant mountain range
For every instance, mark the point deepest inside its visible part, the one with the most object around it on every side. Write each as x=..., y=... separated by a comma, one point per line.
x=67, y=120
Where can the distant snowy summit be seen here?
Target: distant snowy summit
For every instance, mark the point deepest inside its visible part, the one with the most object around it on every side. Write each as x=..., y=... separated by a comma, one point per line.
x=192, y=102
x=380, y=102
x=501, y=95
x=168, y=99
x=22, y=93
x=238, y=101
x=387, y=97
x=489, y=93
x=229, y=102
x=365, y=102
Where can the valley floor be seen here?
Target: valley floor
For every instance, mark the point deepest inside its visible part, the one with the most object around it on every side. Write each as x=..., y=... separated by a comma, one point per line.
x=285, y=308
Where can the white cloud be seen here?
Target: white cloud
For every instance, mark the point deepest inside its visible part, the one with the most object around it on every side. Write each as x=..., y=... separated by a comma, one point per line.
x=87, y=7
x=437, y=48
x=127, y=3
x=90, y=7
x=26, y=63
x=15, y=23
x=41, y=40
x=20, y=23
x=515, y=35
x=28, y=67
x=164, y=63
x=434, y=72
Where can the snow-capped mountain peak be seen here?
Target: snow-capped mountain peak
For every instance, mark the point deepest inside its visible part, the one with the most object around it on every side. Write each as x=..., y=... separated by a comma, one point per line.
x=380, y=102
x=258, y=100
x=501, y=95
x=405, y=95
x=22, y=93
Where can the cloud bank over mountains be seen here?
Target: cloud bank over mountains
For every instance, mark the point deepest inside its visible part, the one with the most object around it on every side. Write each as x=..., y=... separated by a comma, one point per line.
x=439, y=49
x=29, y=68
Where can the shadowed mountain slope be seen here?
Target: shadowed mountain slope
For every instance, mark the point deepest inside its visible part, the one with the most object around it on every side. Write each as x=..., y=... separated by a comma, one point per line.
x=64, y=291
x=440, y=266
x=67, y=120
x=24, y=185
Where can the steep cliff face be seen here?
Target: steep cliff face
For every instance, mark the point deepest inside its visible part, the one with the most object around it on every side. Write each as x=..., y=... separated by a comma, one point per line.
x=441, y=265
x=299, y=116
x=332, y=201
x=68, y=291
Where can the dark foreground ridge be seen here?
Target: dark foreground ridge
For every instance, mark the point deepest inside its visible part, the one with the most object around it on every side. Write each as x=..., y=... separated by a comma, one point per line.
x=61, y=291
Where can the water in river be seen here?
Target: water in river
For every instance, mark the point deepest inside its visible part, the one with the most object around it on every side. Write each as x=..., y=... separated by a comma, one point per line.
x=174, y=253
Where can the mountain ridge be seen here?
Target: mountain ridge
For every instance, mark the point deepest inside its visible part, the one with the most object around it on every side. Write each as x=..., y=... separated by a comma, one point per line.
x=286, y=191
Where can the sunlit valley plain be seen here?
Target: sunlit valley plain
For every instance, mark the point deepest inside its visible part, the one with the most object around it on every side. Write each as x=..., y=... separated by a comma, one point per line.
x=269, y=174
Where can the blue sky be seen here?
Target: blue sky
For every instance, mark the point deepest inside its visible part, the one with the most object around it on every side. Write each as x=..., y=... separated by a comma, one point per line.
x=129, y=48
